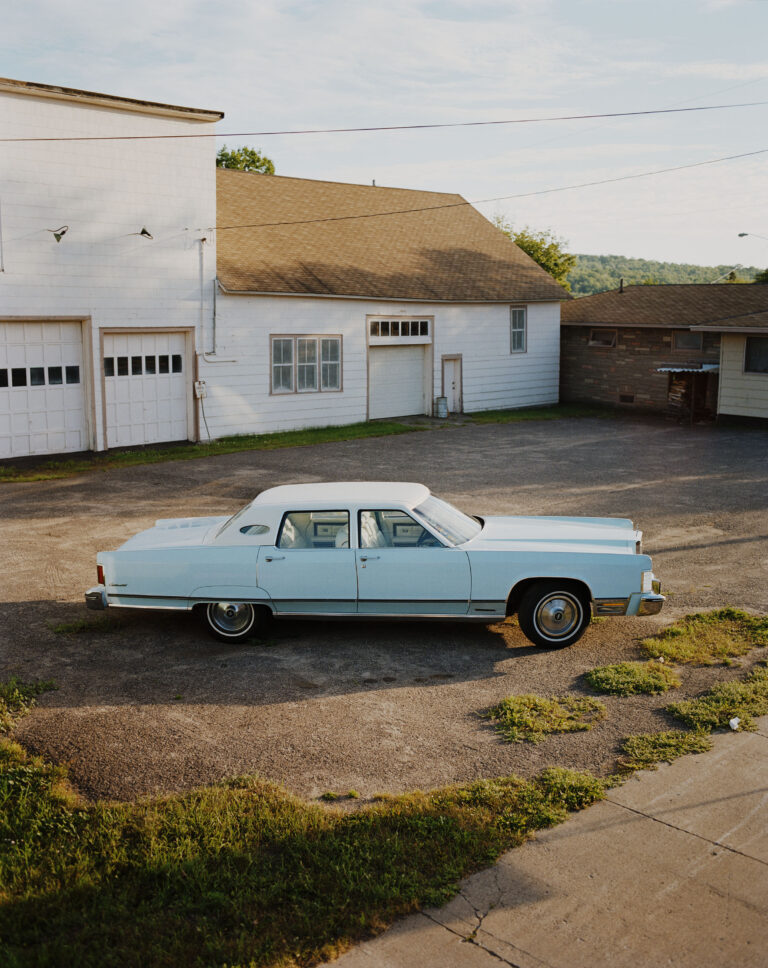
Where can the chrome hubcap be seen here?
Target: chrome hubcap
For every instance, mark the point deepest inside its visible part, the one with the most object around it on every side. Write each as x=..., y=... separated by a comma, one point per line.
x=231, y=617
x=558, y=615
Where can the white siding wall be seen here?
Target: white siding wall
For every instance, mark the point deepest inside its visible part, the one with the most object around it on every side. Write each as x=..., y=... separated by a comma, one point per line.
x=105, y=192
x=239, y=400
x=740, y=394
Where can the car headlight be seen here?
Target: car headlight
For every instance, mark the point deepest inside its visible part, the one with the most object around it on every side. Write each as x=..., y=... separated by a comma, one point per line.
x=647, y=581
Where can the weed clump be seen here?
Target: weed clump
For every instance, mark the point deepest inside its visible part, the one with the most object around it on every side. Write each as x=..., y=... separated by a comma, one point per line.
x=740, y=699
x=631, y=678
x=17, y=698
x=645, y=751
x=532, y=718
x=708, y=638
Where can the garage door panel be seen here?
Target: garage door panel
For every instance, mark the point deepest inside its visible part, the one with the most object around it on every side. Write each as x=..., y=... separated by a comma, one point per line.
x=396, y=381
x=143, y=404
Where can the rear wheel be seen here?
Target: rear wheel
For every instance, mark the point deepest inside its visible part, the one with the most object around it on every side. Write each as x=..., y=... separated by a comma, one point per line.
x=233, y=621
x=554, y=613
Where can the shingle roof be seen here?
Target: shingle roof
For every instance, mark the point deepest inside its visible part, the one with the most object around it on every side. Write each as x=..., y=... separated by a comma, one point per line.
x=443, y=251
x=673, y=305
x=748, y=321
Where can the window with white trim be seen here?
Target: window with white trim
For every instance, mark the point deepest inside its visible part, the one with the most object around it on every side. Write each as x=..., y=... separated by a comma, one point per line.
x=305, y=364
x=517, y=329
x=398, y=328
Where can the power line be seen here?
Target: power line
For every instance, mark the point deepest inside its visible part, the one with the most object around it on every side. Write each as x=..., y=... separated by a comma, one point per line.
x=390, y=127
x=498, y=198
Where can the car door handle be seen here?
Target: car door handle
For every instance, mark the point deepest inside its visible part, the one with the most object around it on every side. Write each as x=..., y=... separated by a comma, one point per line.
x=275, y=558
x=369, y=557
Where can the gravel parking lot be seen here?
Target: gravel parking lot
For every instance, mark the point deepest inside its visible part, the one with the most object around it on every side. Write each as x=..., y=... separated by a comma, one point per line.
x=158, y=706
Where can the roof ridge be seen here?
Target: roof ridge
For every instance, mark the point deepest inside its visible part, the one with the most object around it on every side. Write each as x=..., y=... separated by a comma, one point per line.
x=329, y=181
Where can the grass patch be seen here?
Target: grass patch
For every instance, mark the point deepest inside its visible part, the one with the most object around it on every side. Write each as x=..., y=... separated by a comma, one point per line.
x=647, y=750
x=708, y=638
x=78, y=626
x=51, y=470
x=241, y=873
x=631, y=678
x=715, y=709
x=533, y=718
x=16, y=700
x=538, y=413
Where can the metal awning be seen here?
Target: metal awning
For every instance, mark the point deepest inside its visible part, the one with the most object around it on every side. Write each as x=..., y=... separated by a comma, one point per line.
x=704, y=368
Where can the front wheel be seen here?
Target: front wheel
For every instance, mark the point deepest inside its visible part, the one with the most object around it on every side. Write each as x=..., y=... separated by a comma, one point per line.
x=554, y=613
x=232, y=621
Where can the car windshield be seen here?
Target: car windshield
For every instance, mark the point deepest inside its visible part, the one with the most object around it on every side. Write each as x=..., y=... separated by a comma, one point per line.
x=232, y=520
x=450, y=523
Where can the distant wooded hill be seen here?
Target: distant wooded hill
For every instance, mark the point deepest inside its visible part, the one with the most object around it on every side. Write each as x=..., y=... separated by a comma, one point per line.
x=595, y=273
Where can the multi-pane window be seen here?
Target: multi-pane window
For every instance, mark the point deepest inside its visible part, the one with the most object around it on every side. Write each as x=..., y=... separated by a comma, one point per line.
x=306, y=364
x=517, y=340
x=399, y=327
x=756, y=355
x=135, y=366
x=35, y=376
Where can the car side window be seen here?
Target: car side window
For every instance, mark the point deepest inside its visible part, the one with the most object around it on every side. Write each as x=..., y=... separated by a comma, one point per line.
x=393, y=529
x=314, y=529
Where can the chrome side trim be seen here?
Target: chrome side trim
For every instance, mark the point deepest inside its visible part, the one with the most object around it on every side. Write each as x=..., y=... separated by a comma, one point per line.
x=651, y=604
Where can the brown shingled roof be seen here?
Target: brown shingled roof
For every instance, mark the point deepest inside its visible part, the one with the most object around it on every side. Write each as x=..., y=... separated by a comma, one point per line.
x=673, y=305
x=443, y=251
x=757, y=321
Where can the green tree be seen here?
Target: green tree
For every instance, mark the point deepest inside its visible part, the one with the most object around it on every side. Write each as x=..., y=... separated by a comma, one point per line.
x=543, y=247
x=762, y=277
x=244, y=159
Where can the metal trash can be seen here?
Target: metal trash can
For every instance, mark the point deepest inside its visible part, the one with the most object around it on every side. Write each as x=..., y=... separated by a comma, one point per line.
x=441, y=407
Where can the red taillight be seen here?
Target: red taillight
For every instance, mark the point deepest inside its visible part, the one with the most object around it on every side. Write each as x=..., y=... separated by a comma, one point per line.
x=100, y=574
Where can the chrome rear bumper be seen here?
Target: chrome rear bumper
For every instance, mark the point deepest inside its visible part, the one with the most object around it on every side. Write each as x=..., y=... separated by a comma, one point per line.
x=96, y=598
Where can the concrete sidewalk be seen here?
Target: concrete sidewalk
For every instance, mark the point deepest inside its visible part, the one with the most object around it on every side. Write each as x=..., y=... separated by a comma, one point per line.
x=670, y=870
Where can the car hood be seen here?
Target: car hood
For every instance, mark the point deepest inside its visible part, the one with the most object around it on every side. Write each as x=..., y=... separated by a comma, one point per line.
x=615, y=535
x=174, y=533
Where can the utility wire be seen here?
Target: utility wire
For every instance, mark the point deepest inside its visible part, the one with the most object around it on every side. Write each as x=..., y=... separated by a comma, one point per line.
x=498, y=198
x=392, y=127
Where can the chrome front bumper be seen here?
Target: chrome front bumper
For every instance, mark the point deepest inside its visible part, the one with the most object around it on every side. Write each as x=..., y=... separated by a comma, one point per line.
x=641, y=603
x=96, y=598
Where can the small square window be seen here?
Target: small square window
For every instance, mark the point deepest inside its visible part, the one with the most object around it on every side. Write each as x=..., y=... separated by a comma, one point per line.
x=109, y=366
x=176, y=363
x=384, y=327
x=374, y=327
x=3, y=378
x=19, y=376
x=55, y=376
x=72, y=374
x=423, y=328
x=150, y=365
x=136, y=366
x=162, y=366
x=395, y=327
x=602, y=337
x=37, y=376
x=122, y=366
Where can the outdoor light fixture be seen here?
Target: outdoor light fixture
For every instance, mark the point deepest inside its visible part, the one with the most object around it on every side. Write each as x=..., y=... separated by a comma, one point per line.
x=754, y=235
x=146, y=233
x=59, y=233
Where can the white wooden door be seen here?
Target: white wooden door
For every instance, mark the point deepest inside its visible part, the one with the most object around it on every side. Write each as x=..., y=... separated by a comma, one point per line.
x=147, y=388
x=42, y=389
x=396, y=381
x=452, y=384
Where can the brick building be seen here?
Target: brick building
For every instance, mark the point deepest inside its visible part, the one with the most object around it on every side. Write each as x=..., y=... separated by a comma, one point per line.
x=658, y=348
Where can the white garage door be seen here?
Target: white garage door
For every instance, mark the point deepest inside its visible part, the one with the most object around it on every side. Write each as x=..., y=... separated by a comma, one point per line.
x=146, y=387
x=396, y=387
x=42, y=398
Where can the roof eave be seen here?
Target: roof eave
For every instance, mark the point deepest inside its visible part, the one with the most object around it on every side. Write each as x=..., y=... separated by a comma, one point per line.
x=517, y=298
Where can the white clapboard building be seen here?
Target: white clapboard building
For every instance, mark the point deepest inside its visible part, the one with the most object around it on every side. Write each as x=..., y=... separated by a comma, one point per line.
x=145, y=295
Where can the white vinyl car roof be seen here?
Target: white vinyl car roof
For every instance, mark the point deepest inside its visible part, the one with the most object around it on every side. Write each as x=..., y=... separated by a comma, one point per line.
x=370, y=494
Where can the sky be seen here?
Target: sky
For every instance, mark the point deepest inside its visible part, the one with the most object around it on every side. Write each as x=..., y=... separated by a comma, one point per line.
x=298, y=64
